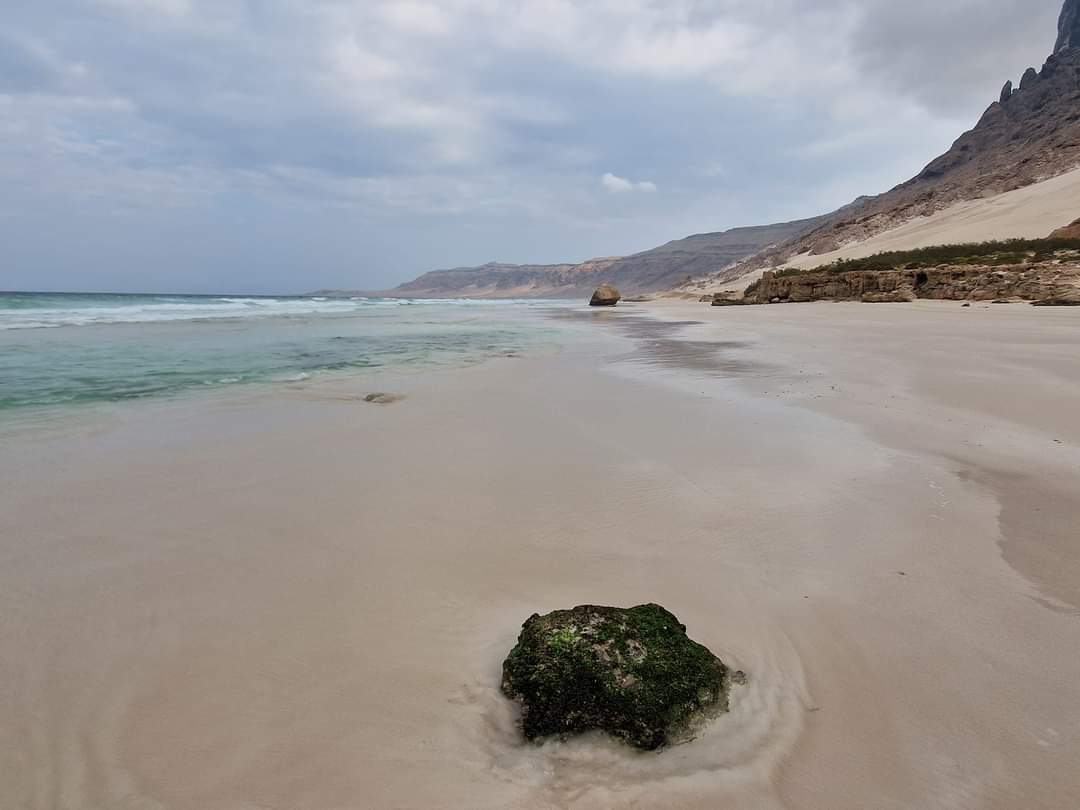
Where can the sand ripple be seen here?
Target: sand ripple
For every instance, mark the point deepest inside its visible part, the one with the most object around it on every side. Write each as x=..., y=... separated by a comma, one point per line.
x=737, y=750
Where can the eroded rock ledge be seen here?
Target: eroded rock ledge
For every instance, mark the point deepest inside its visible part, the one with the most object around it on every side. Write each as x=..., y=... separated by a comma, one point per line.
x=1045, y=271
x=1034, y=283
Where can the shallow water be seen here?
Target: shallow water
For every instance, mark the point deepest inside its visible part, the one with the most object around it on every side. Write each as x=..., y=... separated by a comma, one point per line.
x=60, y=349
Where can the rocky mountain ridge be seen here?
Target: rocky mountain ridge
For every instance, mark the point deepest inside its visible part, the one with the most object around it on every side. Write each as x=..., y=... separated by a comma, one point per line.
x=661, y=268
x=1031, y=133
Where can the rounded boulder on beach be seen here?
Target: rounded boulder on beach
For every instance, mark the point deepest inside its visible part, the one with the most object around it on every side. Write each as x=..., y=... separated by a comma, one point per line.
x=631, y=672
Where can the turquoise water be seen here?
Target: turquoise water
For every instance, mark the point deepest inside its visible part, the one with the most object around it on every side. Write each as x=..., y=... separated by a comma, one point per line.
x=66, y=349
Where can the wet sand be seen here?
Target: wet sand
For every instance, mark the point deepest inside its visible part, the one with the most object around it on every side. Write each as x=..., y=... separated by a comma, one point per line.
x=301, y=600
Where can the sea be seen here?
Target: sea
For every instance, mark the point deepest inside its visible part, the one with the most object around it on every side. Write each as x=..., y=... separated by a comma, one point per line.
x=68, y=349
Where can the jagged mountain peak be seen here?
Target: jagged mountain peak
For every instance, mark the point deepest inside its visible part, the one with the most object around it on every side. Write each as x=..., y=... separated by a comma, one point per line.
x=1069, y=27
x=1030, y=134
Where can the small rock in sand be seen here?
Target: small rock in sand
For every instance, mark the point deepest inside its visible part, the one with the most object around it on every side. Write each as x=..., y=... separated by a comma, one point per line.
x=383, y=399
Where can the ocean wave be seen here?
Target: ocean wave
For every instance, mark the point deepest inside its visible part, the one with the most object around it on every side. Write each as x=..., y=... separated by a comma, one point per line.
x=51, y=311
x=153, y=312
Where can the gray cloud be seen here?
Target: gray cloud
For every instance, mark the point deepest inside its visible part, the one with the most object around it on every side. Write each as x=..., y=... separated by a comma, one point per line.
x=291, y=144
x=25, y=66
x=939, y=53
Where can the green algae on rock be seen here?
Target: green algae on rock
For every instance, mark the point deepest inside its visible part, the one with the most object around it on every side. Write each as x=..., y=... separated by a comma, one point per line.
x=631, y=672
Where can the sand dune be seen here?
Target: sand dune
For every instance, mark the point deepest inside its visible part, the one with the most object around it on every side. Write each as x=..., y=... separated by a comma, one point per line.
x=1029, y=213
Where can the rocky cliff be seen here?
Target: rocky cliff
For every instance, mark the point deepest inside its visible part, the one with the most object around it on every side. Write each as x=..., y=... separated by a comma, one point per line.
x=653, y=270
x=1045, y=283
x=1071, y=231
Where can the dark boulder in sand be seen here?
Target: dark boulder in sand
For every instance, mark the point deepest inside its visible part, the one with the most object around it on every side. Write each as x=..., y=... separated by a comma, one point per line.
x=605, y=296
x=631, y=672
x=383, y=398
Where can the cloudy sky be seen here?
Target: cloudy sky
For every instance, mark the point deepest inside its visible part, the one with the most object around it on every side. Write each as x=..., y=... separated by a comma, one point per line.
x=287, y=145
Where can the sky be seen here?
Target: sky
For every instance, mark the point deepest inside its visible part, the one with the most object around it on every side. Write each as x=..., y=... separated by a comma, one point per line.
x=291, y=145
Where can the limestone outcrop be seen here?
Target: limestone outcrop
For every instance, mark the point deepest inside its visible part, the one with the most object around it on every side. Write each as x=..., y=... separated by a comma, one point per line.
x=1048, y=281
x=726, y=299
x=606, y=295
x=1071, y=231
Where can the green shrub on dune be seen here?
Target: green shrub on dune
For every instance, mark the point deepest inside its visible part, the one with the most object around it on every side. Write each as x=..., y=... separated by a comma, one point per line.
x=989, y=254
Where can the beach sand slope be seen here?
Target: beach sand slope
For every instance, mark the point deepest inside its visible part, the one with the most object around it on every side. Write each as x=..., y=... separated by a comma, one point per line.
x=302, y=600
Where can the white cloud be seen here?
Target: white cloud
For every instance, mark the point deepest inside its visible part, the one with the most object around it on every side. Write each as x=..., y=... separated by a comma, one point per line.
x=417, y=17
x=616, y=184
x=620, y=185
x=172, y=8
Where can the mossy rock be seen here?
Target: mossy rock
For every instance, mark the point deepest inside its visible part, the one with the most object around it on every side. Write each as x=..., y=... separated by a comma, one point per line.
x=631, y=672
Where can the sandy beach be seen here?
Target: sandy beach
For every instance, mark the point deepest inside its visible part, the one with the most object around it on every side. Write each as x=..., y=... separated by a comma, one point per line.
x=292, y=599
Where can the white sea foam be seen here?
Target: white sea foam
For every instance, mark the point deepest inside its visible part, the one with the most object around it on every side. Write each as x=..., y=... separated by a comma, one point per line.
x=88, y=311
x=153, y=311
